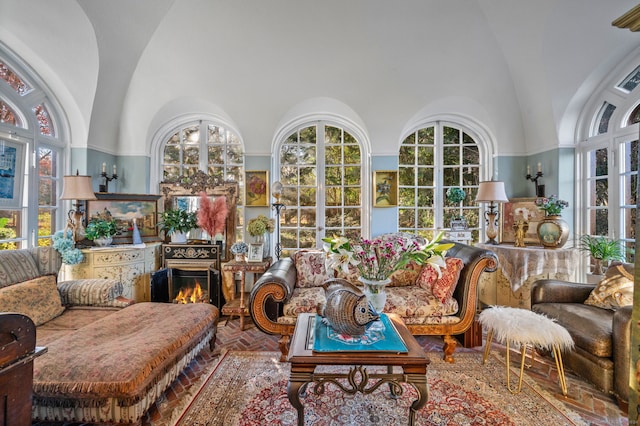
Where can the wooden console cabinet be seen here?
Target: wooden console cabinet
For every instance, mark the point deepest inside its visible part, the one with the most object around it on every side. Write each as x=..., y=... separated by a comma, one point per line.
x=131, y=265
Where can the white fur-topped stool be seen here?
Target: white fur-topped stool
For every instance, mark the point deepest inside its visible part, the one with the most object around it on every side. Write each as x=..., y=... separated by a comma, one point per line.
x=526, y=328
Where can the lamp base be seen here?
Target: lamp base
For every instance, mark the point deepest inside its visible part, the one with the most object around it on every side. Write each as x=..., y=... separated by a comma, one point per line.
x=492, y=242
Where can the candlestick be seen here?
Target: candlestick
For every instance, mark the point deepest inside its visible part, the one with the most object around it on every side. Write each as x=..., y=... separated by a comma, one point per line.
x=104, y=167
x=528, y=170
x=539, y=167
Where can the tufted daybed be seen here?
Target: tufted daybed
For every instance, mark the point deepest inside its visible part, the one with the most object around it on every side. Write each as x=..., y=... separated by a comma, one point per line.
x=292, y=286
x=107, y=359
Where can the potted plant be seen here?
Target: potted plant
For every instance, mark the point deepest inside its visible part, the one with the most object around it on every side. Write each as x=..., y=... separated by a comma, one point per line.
x=101, y=231
x=176, y=223
x=239, y=250
x=602, y=249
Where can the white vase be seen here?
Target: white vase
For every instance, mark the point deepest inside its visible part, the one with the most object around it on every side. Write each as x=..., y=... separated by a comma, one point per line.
x=178, y=237
x=103, y=242
x=376, y=292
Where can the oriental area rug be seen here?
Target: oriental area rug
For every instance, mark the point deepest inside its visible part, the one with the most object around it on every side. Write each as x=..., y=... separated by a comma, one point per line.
x=250, y=388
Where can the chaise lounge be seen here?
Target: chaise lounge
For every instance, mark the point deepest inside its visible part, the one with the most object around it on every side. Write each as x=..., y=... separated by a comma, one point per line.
x=107, y=359
x=291, y=286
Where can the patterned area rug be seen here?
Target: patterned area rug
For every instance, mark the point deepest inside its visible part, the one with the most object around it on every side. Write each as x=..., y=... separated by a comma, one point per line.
x=250, y=388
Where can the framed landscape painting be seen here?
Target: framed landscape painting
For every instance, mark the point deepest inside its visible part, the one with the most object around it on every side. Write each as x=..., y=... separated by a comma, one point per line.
x=516, y=209
x=124, y=209
x=256, y=188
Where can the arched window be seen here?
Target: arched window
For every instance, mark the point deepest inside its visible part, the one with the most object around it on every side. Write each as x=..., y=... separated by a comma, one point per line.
x=609, y=161
x=208, y=146
x=321, y=168
x=30, y=125
x=433, y=159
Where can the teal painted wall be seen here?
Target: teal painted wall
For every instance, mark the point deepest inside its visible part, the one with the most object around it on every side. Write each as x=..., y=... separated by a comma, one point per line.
x=558, y=167
x=383, y=219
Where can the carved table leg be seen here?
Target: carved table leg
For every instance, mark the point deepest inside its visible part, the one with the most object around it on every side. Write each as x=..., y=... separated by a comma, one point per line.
x=297, y=381
x=419, y=382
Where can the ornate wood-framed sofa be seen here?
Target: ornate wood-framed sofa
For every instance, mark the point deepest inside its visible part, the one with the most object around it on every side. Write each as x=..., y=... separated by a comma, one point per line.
x=272, y=293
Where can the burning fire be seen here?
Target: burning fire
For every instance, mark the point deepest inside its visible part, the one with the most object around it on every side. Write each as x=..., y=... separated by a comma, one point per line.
x=190, y=295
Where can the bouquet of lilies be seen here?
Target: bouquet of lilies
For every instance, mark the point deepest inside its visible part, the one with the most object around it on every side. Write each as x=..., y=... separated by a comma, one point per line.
x=378, y=258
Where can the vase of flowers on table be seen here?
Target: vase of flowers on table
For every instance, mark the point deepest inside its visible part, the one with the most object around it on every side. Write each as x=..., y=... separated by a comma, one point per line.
x=378, y=258
x=260, y=228
x=553, y=231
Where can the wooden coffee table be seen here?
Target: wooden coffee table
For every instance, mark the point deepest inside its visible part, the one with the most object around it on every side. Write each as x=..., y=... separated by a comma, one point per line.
x=304, y=362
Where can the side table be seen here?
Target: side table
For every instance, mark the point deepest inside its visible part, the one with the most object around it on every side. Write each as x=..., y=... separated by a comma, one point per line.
x=236, y=306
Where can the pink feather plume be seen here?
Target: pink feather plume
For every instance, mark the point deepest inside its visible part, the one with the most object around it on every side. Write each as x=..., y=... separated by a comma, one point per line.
x=212, y=215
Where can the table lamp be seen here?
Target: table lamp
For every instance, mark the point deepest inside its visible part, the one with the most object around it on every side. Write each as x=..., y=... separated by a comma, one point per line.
x=491, y=192
x=76, y=187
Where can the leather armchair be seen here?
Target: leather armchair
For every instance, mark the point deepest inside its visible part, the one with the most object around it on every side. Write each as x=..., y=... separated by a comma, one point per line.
x=602, y=337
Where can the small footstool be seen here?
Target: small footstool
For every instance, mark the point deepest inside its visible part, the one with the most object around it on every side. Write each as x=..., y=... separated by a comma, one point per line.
x=526, y=328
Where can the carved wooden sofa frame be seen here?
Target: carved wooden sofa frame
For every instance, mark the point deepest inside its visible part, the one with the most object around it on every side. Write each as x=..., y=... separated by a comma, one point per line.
x=276, y=287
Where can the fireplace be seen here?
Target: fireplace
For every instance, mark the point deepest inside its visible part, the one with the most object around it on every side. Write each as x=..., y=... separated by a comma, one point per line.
x=189, y=285
x=196, y=283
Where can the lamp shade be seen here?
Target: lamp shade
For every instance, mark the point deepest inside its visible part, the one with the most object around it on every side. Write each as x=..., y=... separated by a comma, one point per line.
x=491, y=191
x=76, y=187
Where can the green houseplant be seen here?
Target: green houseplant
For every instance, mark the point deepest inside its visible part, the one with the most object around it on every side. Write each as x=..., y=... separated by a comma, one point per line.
x=177, y=222
x=602, y=250
x=100, y=231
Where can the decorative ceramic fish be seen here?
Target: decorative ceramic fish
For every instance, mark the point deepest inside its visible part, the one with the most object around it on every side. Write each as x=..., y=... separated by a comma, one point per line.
x=347, y=309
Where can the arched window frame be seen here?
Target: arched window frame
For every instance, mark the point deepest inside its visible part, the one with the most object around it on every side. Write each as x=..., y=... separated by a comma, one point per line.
x=162, y=135
x=349, y=126
x=34, y=141
x=487, y=148
x=616, y=211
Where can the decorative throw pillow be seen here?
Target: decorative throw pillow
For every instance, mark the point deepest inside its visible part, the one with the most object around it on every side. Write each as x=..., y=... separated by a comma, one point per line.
x=615, y=289
x=443, y=287
x=310, y=268
x=37, y=298
x=96, y=292
x=406, y=276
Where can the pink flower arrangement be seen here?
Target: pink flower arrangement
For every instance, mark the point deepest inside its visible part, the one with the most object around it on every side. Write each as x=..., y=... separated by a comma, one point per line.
x=212, y=215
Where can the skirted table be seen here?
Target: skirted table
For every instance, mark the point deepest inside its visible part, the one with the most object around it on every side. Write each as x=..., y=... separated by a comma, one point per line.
x=518, y=268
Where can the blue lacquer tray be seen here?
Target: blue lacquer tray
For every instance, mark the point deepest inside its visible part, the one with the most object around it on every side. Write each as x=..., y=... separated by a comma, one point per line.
x=381, y=336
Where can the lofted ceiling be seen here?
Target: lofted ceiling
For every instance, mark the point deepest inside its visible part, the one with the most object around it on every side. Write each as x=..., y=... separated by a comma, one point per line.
x=122, y=69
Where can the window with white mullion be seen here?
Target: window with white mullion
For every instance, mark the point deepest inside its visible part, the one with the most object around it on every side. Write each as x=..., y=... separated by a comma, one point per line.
x=628, y=192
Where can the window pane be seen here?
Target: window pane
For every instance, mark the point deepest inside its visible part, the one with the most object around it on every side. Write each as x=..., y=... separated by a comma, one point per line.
x=352, y=175
x=352, y=154
x=407, y=154
x=17, y=83
x=630, y=156
x=450, y=135
x=425, y=155
x=333, y=155
x=10, y=228
x=9, y=116
x=631, y=81
x=46, y=226
x=426, y=136
x=605, y=115
x=470, y=155
x=44, y=121
x=45, y=162
x=308, y=135
x=216, y=154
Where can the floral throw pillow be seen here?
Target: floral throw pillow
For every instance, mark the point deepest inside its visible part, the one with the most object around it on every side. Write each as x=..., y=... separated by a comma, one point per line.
x=615, y=289
x=443, y=287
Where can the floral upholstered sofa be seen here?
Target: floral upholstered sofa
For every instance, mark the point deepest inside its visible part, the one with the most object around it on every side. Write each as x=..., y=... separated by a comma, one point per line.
x=107, y=359
x=428, y=305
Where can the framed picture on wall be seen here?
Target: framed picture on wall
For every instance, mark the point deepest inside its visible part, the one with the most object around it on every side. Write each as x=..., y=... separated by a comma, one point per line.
x=256, y=188
x=11, y=173
x=124, y=209
x=385, y=188
x=518, y=208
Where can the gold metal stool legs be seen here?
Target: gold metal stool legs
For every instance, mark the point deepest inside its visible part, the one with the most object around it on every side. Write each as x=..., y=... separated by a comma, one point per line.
x=557, y=356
